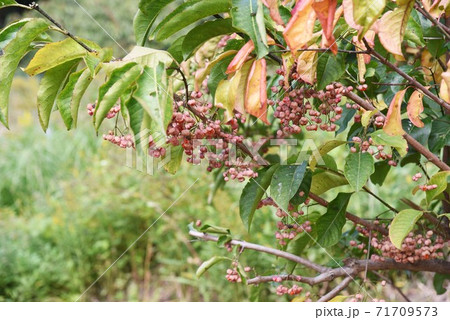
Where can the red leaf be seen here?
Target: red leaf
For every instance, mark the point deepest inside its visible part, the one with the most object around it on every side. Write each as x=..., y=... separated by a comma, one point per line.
x=256, y=91
x=325, y=10
x=393, y=122
x=415, y=108
x=299, y=29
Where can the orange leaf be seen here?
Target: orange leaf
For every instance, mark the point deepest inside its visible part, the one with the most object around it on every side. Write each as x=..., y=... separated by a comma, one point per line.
x=240, y=57
x=307, y=64
x=299, y=29
x=393, y=123
x=445, y=85
x=273, y=11
x=256, y=91
x=415, y=108
x=325, y=10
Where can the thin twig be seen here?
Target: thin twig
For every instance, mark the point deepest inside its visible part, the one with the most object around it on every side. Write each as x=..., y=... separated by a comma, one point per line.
x=410, y=79
x=37, y=8
x=445, y=30
x=379, y=275
x=333, y=293
x=413, y=142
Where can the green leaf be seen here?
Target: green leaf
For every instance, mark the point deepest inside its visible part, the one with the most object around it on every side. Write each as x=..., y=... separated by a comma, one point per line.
x=143, y=56
x=9, y=3
x=209, y=263
x=94, y=60
x=329, y=69
x=217, y=74
x=440, y=134
x=142, y=24
x=176, y=155
x=248, y=16
x=207, y=228
x=380, y=173
x=297, y=246
x=10, y=31
x=438, y=282
x=402, y=224
x=380, y=137
x=202, y=33
x=326, y=180
x=187, y=13
x=439, y=179
x=252, y=194
x=366, y=12
x=136, y=113
x=119, y=81
x=153, y=94
x=51, y=84
x=285, y=183
x=11, y=57
x=329, y=226
x=64, y=98
x=305, y=186
x=324, y=149
x=56, y=53
x=78, y=91
x=358, y=168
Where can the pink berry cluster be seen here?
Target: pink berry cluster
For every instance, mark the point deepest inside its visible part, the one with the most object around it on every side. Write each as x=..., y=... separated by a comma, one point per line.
x=377, y=151
x=294, y=290
x=428, y=187
x=184, y=130
x=286, y=231
x=359, y=297
x=233, y=275
x=295, y=111
x=417, y=176
x=111, y=113
x=124, y=141
x=414, y=248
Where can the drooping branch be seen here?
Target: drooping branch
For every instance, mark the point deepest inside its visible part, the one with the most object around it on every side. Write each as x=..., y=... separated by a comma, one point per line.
x=445, y=30
x=260, y=248
x=413, y=142
x=410, y=79
x=36, y=7
x=351, y=266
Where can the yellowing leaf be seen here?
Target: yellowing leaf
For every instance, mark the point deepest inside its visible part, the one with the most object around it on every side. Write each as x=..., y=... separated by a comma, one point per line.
x=403, y=223
x=392, y=27
x=366, y=12
x=445, y=86
x=256, y=91
x=223, y=98
x=431, y=67
x=201, y=74
x=54, y=54
x=415, y=108
x=379, y=102
x=288, y=62
x=240, y=80
x=299, y=29
x=339, y=299
x=325, y=10
x=393, y=123
x=307, y=65
x=367, y=115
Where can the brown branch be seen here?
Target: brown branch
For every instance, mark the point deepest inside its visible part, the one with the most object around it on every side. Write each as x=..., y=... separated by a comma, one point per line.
x=351, y=217
x=333, y=293
x=323, y=50
x=445, y=30
x=260, y=248
x=410, y=79
x=37, y=8
x=412, y=142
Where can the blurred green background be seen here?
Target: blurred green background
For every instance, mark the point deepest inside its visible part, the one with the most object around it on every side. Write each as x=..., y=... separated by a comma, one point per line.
x=69, y=206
